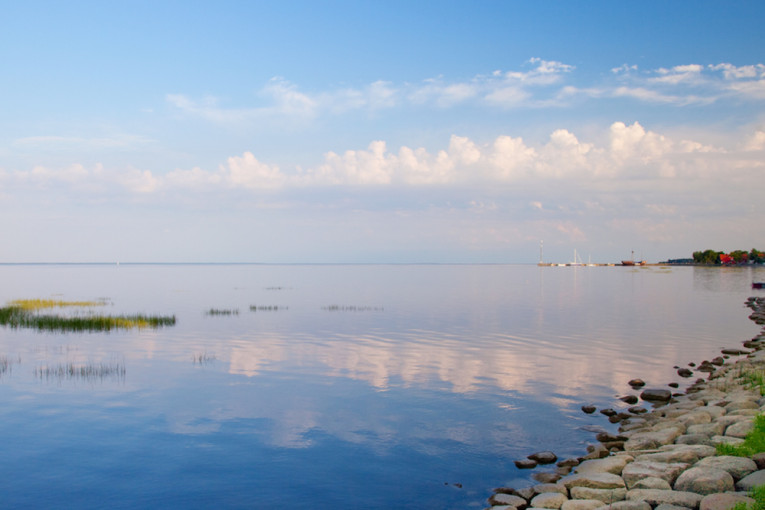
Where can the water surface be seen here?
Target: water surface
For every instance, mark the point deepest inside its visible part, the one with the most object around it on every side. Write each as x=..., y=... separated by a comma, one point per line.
x=391, y=386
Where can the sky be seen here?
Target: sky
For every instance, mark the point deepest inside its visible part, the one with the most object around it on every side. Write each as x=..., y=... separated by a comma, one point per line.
x=380, y=132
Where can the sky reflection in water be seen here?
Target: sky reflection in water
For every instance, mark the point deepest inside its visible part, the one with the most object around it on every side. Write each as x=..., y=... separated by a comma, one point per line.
x=441, y=375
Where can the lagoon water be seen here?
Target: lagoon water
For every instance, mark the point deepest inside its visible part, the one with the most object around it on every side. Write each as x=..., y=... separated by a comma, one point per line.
x=370, y=386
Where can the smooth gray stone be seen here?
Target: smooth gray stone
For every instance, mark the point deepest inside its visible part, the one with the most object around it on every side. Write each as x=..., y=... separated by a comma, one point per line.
x=614, y=464
x=751, y=481
x=552, y=500
x=605, y=495
x=594, y=481
x=724, y=501
x=657, y=497
x=639, y=470
x=581, y=504
x=740, y=429
x=738, y=467
x=627, y=505
x=705, y=481
x=652, y=483
x=507, y=499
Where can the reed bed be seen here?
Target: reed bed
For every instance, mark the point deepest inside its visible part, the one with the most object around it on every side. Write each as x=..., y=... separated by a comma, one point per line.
x=204, y=358
x=38, y=304
x=24, y=316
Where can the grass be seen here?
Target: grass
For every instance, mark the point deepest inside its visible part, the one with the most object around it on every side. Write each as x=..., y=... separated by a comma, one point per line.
x=758, y=494
x=22, y=313
x=753, y=443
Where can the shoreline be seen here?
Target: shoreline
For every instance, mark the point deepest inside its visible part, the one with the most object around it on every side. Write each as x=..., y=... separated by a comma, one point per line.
x=665, y=457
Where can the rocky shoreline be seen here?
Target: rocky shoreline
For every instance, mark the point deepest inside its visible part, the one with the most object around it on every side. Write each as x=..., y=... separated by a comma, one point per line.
x=665, y=458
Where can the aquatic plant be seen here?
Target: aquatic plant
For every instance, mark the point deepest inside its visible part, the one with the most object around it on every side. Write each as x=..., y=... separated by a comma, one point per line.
x=268, y=308
x=204, y=358
x=37, y=304
x=338, y=308
x=220, y=311
x=88, y=371
x=22, y=315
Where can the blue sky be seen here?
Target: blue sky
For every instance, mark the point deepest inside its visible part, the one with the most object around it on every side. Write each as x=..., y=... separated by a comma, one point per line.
x=380, y=131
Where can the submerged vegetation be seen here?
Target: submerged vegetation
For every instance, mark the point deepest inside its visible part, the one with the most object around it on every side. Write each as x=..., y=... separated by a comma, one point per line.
x=23, y=313
x=88, y=371
x=204, y=358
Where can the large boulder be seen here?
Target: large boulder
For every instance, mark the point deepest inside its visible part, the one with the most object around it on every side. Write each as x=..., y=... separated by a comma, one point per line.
x=751, y=481
x=594, y=481
x=607, y=496
x=638, y=470
x=654, y=438
x=614, y=464
x=724, y=501
x=705, y=481
x=581, y=504
x=510, y=500
x=552, y=500
x=738, y=467
x=658, y=497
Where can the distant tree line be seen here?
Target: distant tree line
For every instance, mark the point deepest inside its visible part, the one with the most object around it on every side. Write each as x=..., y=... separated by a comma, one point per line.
x=736, y=257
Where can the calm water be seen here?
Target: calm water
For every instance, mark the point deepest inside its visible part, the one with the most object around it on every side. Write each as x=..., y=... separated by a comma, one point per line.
x=369, y=387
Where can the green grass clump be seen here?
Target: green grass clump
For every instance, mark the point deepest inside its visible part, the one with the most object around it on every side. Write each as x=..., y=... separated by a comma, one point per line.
x=758, y=494
x=753, y=443
x=23, y=316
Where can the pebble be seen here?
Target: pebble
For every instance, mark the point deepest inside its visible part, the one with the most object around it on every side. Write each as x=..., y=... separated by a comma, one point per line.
x=665, y=459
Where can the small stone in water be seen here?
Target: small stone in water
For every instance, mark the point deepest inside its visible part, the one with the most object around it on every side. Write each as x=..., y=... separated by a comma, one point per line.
x=525, y=464
x=629, y=399
x=636, y=383
x=589, y=409
x=543, y=457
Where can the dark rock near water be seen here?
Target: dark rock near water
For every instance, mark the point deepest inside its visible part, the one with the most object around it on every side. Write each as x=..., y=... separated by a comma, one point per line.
x=673, y=385
x=546, y=477
x=589, y=409
x=684, y=372
x=543, y=457
x=734, y=352
x=637, y=383
x=525, y=464
x=608, y=412
x=656, y=395
x=719, y=361
x=629, y=399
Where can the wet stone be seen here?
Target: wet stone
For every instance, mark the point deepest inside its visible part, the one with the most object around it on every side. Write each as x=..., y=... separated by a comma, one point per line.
x=655, y=394
x=545, y=457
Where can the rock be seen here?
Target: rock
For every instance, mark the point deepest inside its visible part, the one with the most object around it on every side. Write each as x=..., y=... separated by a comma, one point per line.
x=629, y=399
x=568, y=463
x=734, y=352
x=652, y=483
x=740, y=429
x=548, y=487
x=525, y=464
x=552, y=500
x=751, y=481
x=594, y=481
x=759, y=459
x=673, y=385
x=543, y=457
x=724, y=501
x=510, y=500
x=685, y=456
x=741, y=404
x=608, y=412
x=637, y=410
x=704, y=481
x=653, y=439
x=684, y=372
x=582, y=504
x=719, y=361
x=607, y=496
x=667, y=506
x=715, y=440
x=738, y=467
x=687, y=439
x=656, y=497
x=627, y=505
x=605, y=437
x=546, y=477
x=640, y=469
x=707, y=429
x=589, y=409
x=637, y=383
x=614, y=465
x=656, y=395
